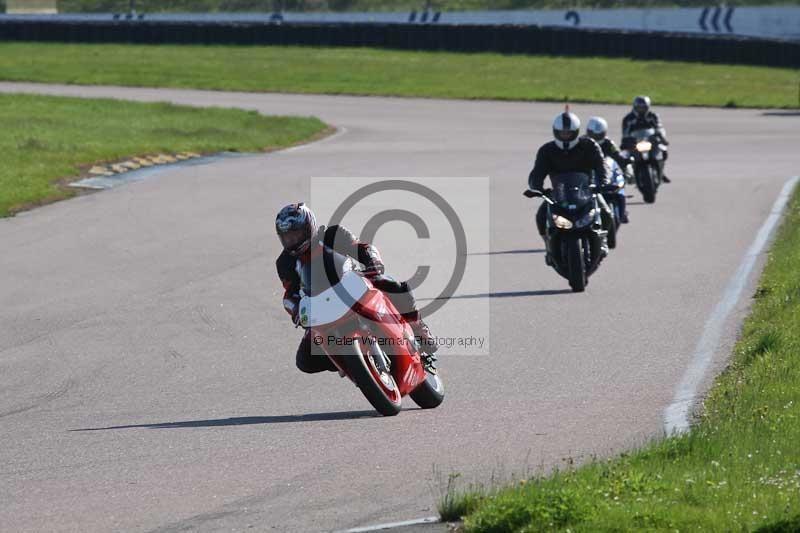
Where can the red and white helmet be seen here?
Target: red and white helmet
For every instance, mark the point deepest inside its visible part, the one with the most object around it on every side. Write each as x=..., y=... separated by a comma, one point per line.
x=296, y=225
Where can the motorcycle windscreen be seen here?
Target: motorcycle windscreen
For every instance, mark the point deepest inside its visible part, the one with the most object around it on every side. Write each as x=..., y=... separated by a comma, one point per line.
x=571, y=188
x=643, y=135
x=323, y=270
x=330, y=305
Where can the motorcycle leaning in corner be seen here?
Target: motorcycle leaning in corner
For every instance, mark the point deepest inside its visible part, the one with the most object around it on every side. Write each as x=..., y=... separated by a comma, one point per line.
x=356, y=326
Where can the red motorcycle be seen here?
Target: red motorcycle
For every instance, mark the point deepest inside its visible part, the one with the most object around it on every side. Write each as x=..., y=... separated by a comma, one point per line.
x=358, y=328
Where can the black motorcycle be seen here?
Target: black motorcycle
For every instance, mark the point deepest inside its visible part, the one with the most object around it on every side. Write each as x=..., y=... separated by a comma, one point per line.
x=611, y=194
x=574, y=227
x=649, y=154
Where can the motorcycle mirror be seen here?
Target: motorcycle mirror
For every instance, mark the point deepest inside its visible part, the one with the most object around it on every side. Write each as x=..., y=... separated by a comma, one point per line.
x=532, y=194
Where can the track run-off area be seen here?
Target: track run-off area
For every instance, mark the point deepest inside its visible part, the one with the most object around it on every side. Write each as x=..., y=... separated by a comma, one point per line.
x=148, y=379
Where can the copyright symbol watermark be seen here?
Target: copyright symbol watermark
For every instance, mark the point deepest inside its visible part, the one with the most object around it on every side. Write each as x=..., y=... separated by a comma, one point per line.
x=432, y=234
x=318, y=340
x=379, y=219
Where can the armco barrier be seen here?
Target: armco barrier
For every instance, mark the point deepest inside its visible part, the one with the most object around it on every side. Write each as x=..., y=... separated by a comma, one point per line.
x=509, y=39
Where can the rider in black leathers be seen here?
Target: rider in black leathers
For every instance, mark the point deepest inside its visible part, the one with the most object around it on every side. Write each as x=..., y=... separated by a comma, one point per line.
x=568, y=153
x=597, y=129
x=640, y=118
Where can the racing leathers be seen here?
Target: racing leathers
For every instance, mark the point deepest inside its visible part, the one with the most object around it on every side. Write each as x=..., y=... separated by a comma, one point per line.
x=340, y=240
x=634, y=121
x=611, y=150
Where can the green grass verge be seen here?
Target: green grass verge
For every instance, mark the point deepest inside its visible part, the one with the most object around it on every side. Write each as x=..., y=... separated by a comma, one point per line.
x=46, y=139
x=737, y=470
x=367, y=71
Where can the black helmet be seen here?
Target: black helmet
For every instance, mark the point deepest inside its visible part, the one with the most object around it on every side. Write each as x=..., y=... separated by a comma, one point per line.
x=641, y=105
x=566, y=127
x=296, y=225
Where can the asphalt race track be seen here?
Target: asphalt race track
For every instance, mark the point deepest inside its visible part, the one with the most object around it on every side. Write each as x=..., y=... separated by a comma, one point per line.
x=147, y=378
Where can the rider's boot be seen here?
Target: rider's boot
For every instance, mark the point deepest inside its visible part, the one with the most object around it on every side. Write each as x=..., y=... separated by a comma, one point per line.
x=427, y=342
x=629, y=176
x=607, y=219
x=604, y=245
x=622, y=202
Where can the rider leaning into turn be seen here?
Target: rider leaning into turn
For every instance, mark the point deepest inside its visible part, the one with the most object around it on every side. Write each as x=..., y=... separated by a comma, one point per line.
x=641, y=118
x=597, y=129
x=300, y=236
x=568, y=153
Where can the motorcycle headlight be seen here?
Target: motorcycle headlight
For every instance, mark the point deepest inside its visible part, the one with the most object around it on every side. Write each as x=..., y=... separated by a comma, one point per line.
x=586, y=219
x=644, y=146
x=561, y=222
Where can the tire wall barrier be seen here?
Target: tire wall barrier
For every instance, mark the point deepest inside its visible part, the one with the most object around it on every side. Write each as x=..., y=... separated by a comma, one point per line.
x=505, y=39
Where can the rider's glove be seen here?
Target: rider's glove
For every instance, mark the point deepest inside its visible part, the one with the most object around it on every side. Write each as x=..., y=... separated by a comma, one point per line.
x=292, y=305
x=369, y=256
x=376, y=268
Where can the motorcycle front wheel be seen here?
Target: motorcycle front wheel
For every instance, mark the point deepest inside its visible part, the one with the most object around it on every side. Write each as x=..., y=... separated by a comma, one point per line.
x=646, y=182
x=367, y=366
x=577, y=266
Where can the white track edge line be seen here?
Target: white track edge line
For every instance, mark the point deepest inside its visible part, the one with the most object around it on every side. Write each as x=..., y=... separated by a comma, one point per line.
x=676, y=415
x=390, y=525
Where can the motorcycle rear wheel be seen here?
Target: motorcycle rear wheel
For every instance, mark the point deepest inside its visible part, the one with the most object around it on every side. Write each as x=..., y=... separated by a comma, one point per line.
x=430, y=393
x=377, y=385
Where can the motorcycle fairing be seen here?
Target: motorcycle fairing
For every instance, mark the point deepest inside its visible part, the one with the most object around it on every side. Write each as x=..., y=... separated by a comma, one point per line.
x=328, y=307
x=375, y=310
x=371, y=317
x=571, y=191
x=590, y=238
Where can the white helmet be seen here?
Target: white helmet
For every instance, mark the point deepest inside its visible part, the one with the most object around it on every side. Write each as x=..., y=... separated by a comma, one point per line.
x=597, y=128
x=566, y=127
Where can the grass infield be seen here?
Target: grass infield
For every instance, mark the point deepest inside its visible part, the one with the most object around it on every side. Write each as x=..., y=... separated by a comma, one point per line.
x=46, y=139
x=365, y=71
x=737, y=470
